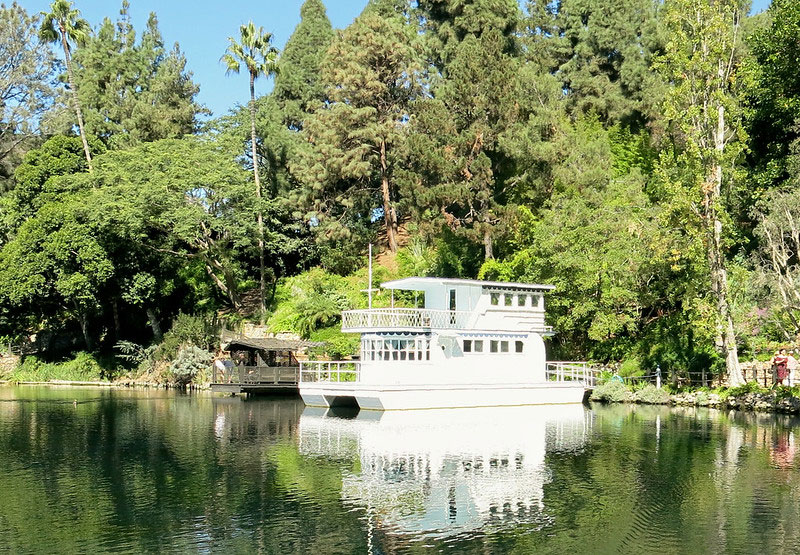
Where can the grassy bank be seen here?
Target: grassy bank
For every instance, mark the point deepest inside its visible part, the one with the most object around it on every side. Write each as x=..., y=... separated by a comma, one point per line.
x=83, y=368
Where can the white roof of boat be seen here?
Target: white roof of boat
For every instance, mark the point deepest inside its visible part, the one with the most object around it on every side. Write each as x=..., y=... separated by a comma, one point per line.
x=421, y=283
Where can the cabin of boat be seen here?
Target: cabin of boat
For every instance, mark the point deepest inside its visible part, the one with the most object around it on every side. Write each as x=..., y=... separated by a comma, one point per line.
x=473, y=343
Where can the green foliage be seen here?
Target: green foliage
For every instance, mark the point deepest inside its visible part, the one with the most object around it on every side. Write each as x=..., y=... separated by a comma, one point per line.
x=611, y=392
x=189, y=364
x=338, y=345
x=651, y=395
x=133, y=92
x=83, y=367
x=744, y=389
x=26, y=86
x=631, y=366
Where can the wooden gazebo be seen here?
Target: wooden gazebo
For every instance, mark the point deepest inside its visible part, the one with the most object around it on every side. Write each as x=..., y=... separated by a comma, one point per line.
x=267, y=365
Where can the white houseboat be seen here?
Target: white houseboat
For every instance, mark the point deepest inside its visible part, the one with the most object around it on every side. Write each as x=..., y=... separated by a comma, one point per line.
x=473, y=344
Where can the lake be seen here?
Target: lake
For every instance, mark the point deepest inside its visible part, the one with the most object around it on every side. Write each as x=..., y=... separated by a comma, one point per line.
x=97, y=470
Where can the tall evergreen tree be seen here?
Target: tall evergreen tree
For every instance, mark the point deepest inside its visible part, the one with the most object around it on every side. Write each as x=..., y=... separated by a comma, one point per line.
x=298, y=88
x=64, y=24
x=371, y=76
x=26, y=85
x=602, y=53
x=135, y=92
x=474, y=50
x=256, y=52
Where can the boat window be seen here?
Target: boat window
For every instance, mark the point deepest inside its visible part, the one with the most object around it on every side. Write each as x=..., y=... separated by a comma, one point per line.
x=521, y=300
x=478, y=345
x=518, y=346
x=495, y=298
x=508, y=299
x=467, y=345
x=493, y=346
x=504, y=346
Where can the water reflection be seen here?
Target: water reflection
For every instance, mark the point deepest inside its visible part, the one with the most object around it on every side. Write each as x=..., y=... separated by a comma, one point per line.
x=90, y=470
x=441, y=473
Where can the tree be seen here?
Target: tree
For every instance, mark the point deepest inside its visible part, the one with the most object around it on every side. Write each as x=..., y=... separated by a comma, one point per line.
x=261, y=58
x=64, y=23
x=463, y=174
x=602, y=54
x=774, y=98
x=371, y=76
x=701, y=60
x=26, y=79
x=298, y=88
x=134, y=91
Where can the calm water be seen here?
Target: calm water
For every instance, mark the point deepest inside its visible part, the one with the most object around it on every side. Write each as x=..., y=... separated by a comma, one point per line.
x=94, y=470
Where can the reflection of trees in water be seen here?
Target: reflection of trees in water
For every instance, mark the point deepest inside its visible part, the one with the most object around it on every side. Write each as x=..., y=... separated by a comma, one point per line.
x=145, y=470
x=153, y=470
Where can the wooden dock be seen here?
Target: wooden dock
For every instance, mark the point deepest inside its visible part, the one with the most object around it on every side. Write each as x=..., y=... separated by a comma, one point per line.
x=256, y=379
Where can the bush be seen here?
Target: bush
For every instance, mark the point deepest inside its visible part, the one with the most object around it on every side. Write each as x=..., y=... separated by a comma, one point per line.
x=190, y=363
x=631, y=367
x=652, y=395
x=612, y=392
x=749, y=387
x=338, y=345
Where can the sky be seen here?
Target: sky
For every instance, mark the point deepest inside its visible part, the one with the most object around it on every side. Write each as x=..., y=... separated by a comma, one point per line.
x=202, y=28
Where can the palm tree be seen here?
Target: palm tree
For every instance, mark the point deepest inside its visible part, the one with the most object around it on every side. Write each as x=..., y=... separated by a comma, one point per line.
x=65, y=24
x=256, y=52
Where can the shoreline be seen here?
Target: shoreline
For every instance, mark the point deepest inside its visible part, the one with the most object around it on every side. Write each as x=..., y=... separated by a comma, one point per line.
x=106, y=384
x=769, y=402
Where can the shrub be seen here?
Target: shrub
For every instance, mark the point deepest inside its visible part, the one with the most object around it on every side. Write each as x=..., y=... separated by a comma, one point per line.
x=613, y=392
x=337, y=345
x=631, y=367
x=749, y=387
x=652, y=395
x=190, y=362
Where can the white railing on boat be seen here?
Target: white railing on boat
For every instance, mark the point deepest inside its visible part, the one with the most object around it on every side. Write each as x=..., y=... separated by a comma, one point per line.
x=571, y=371
x=388, y=318
x=329, y=371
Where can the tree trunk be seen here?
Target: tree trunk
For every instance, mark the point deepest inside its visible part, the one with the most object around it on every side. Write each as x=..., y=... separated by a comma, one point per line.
x=87, y=338
x=152, y=319
x=261, y=270
x=117, y=324
x=716, y=258
x=75, y=101
x=389, y=214
x=488, y=244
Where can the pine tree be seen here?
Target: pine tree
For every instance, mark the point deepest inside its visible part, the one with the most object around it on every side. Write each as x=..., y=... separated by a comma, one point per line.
x=371, y=78
x=298, y=88
x=135, y=92
x=474, y=49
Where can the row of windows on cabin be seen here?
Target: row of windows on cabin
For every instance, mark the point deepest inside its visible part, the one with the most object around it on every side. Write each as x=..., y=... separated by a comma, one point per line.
x=396, y=349
x=494, y=345
x=514, y=299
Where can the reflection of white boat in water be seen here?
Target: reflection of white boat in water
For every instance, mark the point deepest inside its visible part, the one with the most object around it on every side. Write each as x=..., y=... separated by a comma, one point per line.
x=473, y=344
x=439, y=473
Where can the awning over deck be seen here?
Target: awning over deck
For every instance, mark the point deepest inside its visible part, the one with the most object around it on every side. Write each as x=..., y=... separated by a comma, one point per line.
x=269, y=344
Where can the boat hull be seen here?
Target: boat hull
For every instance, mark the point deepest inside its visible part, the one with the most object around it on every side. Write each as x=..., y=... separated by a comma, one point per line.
x=407, y=397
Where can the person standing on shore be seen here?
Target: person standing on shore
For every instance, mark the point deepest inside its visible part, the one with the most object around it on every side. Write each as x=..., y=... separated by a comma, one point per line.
x=781, y=362
x=791, y=364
